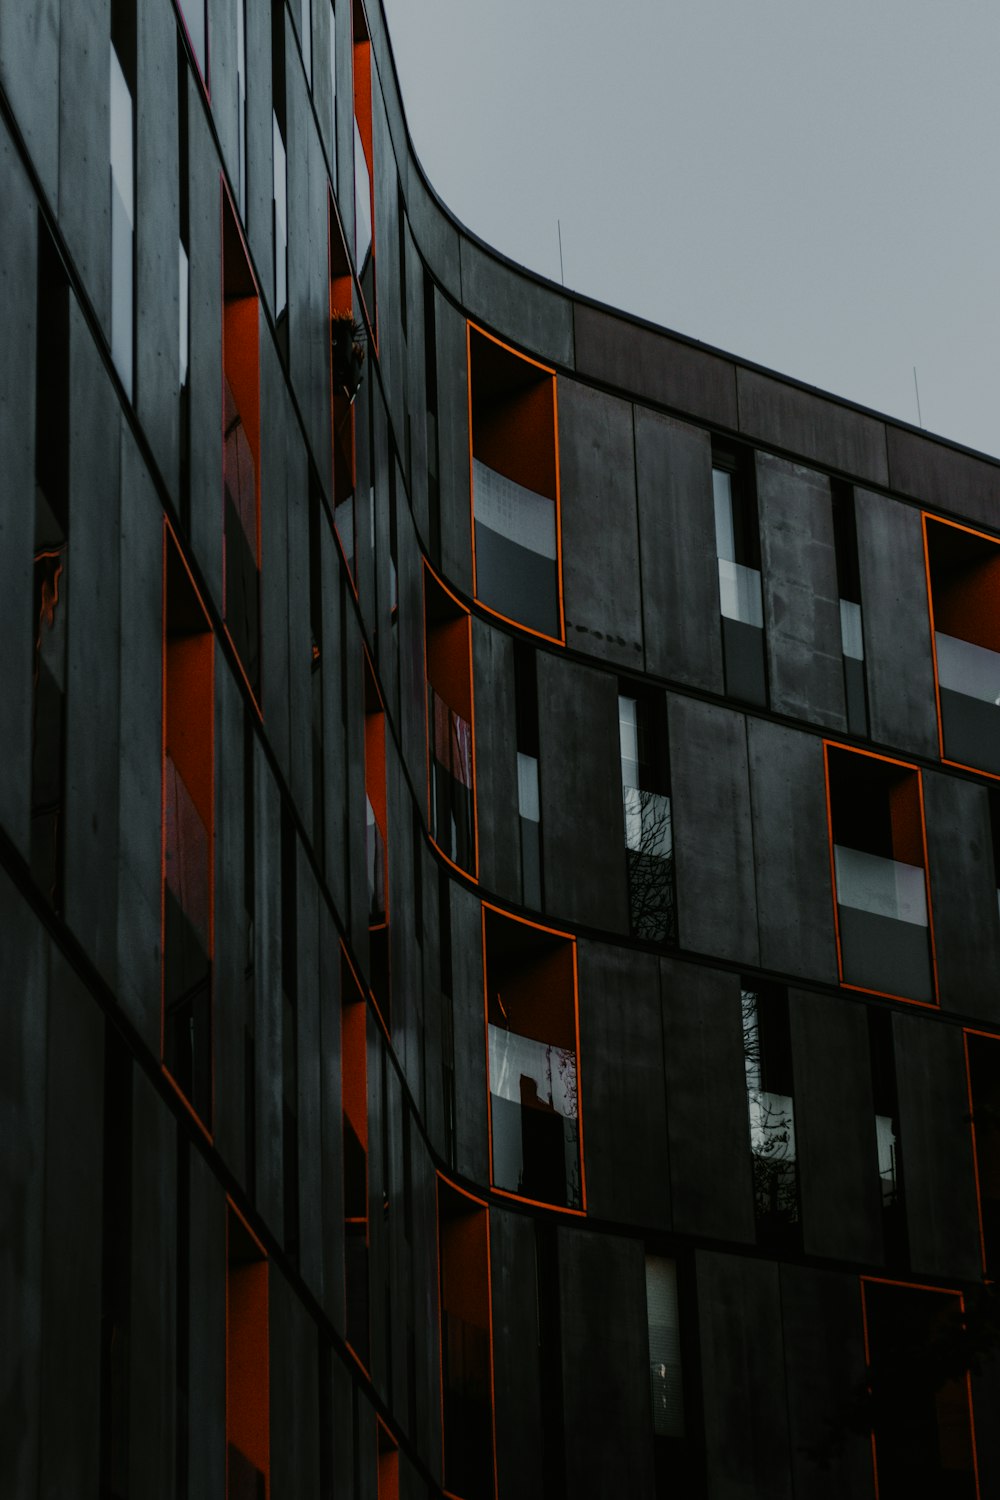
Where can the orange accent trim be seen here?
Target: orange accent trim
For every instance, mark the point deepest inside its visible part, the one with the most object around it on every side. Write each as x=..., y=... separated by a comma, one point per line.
x=542, y=635
x=186, y=1101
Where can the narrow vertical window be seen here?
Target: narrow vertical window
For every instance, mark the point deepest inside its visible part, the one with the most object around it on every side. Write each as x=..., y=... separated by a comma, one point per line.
x=354, y=1092
x=188, y=835
x=289, y=1036
x=845, y=534
x=376, y=838
x=241, y=105
x=430, y=385
x=649, y=840
x=529, y=810
x=963, y=570
x=248, y=1437
x=194, y=19
x=737, y=540
x=183, y=286
x=887, y=1146
x=241, y=451
x=451, y=761
x=983, y=1056
x=122, y=156
x=364, y=171
x=533, y=1043
x=515, y=485
x=316, y=523
x=919, y=1407
x=50, y=568
x=877, y=831
x=666, y=1385
x=466, y=1344
x=347, y=355
x=279, y=180
x=767, y=1056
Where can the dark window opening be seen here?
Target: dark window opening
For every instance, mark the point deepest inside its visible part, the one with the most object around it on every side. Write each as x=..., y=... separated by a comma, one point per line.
x=964, y=570
x=876, y=821
x=767, y=1057
x=279, y=185
x=188, y=837
x=364, y=169
x=123, y=77
x=887, y=1142
x=184, y=288
x=845, y=534
x=515, y=485
x=984, y=1088
x=737, y=538
x=532, y=1042
x=290, y=1036
x=248, y=1439
x=448, y=647
x=529, y=810
x=376, y=844
x=466, y=1344
x=241, y=451
x=649, y=844
x=346, y=361
x=354, y=1086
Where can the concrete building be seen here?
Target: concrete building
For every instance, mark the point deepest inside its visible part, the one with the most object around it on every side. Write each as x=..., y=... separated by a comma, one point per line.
x=498, y=838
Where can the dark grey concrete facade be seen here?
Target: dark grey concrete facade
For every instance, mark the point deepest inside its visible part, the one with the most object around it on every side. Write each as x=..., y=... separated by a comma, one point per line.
x=122, y=1194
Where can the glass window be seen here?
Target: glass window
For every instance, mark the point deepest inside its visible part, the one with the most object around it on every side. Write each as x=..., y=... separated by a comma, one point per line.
x=964, y=571
x=364, y=163
x=767, y=1054
x=849, y=588
x=241, y=451
x=737, y=541
x=663, y=1322
x=887, y=1145
x=122, y=220
x=647, y=813
x=354, y=1094
x=448, y=650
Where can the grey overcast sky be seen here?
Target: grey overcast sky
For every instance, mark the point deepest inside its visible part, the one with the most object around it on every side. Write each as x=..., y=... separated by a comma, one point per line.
x=809, y=184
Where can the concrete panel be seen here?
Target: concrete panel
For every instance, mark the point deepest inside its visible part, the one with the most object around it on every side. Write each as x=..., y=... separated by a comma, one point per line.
x=415, y=388
x=580, y=785
x=963, y=895
x=206, y=1372
x=427, y=1434
x=392, y=353
x=260, y=147
x=600, y=531
x=308, y=266
x=71, y=1253
x=357, y=872
x=471, y=1128
x=140, y=746
x=18, y=260
x=153, y=1318
x=896, y=624
x=839, y=1188
x=230, y=956
x=205, y=346
x=407, y=986
x=824, y=1371
x=157, y=276
x=91, y=889
x=332, y=1132
x=310, y=1110
x=267, y=994
x=224, y=83
x=496, y=761
x=713, y=842
x=296, y=686
x=334, y=756
x=345, y=122
x=29, y=72
x=677, y=557
x=622, y=1086
x=815, y=427
x=323, y=87
x=275, y=501
x=790, y=847
x=453, y=443
x=23, y=1026
x=801, y=597
x=938, y=1181
x=743, y=1378
x=516, y=1377
x=434, y=231
x=651, y=364
x=961, y=484
x=84, y=160
x=293, y=1384
x=710, y=1178
x=518, y=306
x=602, y=1300
x=412, y=682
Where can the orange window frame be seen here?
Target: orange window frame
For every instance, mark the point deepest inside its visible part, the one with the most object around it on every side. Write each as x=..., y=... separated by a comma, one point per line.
x=483, y=1207
x=474, y=328
x=204, y=688
x=569, y=938
x=462, y=610
x=829, y=745
x=926, y=517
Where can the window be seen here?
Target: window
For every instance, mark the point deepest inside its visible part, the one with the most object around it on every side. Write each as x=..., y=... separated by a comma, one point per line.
x=354, y=1091
x=317, y=521
x=880, y=877
x=515, y=485
x=919, y=1407
x=50, y=570
x=466, y=1344
x=279, y=180
x=663, y=1323
x=532, y=1035
x=122, y=155
x=364, y=171
x=248, y=1437
x=376, y=839
x=963, y=570
x=983, y=1059
x=346, y=359
x=241, y=104
x=450, y=746
x=188, y=835
x=528, y=801
x=289, y=1036
x=887, y=1145
x=183, y=287
x=194, y=19
x=648, y=827
x=845, y=534
x=241, y=451
x=767, y=1057
x=737, y=540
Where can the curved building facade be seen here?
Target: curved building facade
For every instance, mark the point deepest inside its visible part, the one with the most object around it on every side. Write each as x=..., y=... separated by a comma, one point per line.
x=499, y=838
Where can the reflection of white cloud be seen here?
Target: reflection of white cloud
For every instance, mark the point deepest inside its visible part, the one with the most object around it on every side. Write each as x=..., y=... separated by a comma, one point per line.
x=552, y=1069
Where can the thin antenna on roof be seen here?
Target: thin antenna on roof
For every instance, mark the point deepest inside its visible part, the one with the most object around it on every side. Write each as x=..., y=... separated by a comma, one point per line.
x=916, y=387
x=562, y=273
